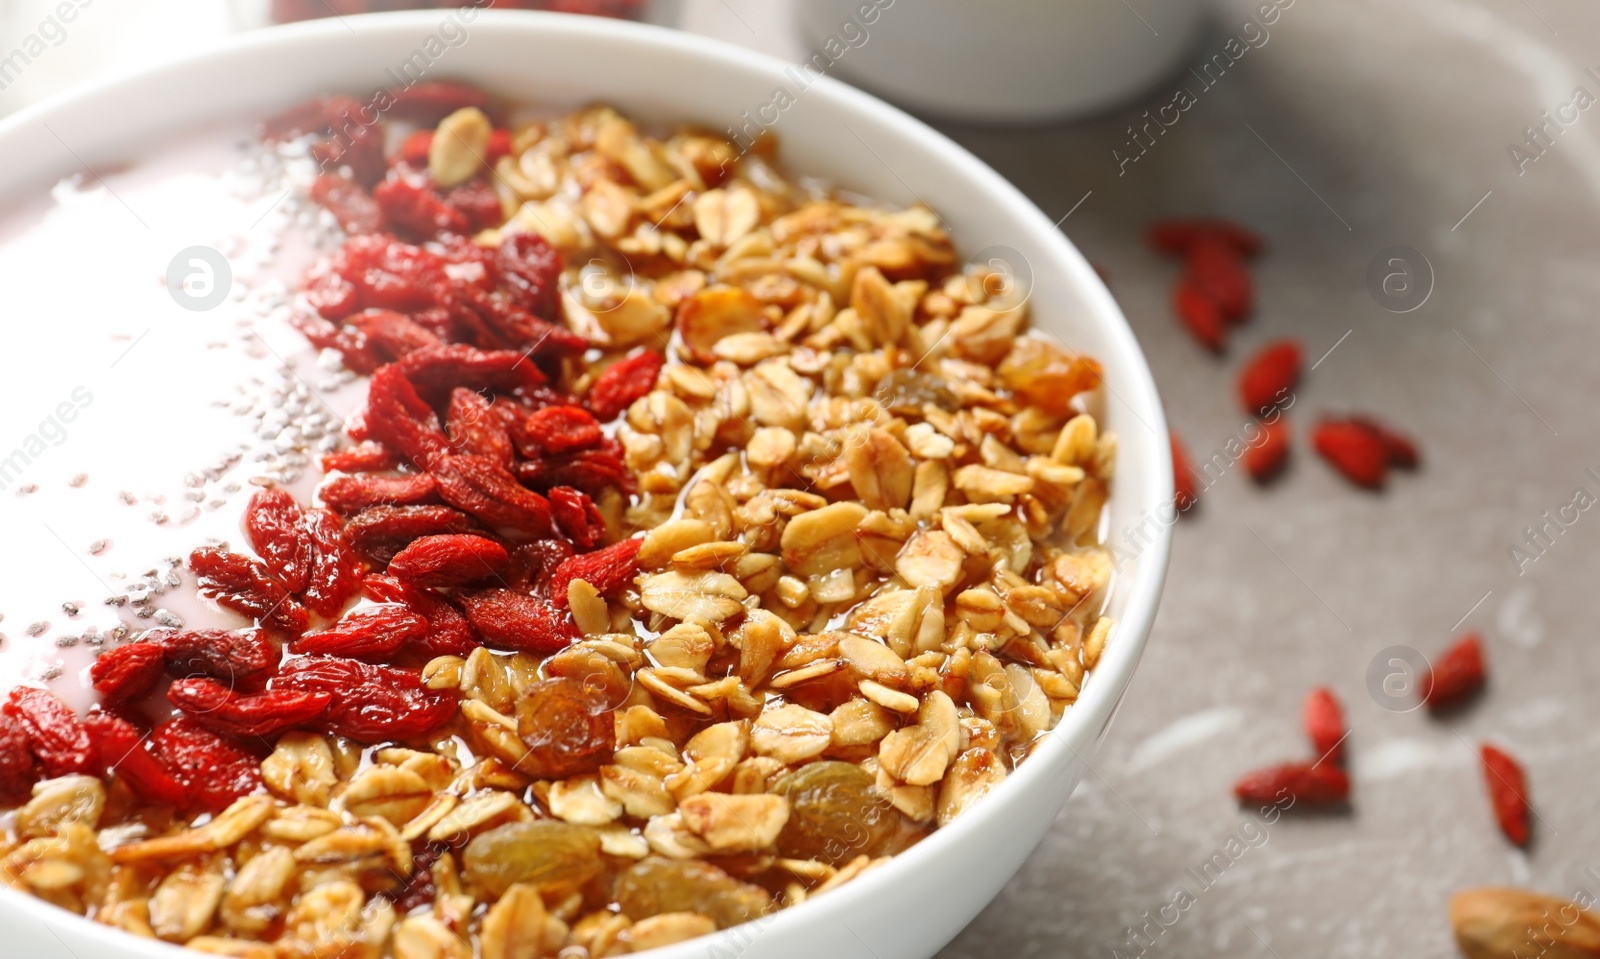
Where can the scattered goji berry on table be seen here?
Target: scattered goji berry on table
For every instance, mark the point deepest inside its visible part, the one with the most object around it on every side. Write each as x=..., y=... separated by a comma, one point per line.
x=1354, y=450
x=56, y=735
x=1324, y=721
x=1176, y=236
x=1270, y=376
x=450, y=560
x=275, y=525
x=1200, y=314
x=123, y=751
x=1265, y=459
x=1186, y=492
x=243, y=659
x=1508, y=791
x=213, y=771
x=607, y=570
x=623, y=382
x=511, y=620
x=245, y=586
x=1456, y=674
x=1315, y=784
x=1216, y=268
x=124, y=673
x=1401, y=449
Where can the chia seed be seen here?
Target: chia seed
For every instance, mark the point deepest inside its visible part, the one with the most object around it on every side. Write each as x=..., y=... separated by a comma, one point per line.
x=38, y=629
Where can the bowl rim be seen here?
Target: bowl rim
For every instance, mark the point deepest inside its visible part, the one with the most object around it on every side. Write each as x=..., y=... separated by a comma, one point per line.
x=1081, y=726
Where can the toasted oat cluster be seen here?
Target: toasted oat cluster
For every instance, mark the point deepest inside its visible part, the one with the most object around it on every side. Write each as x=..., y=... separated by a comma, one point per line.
x=851, y=574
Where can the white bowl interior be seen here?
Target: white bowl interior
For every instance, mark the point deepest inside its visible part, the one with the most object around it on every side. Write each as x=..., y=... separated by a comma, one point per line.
x=914, y=905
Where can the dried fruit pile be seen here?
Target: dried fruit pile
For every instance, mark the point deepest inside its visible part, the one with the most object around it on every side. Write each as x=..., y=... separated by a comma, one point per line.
x=703, y=542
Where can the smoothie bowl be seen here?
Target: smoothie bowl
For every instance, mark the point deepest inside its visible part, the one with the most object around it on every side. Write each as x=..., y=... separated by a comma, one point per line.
x=505, y=502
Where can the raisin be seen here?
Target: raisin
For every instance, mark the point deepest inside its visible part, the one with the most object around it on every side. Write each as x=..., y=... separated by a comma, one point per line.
x=1270, y=376
x=563, y=429
x=56, y=736
x=1324, y=722
x=233, y=713
x=214, y=772
x=546, y=854
x=1354, y=450
x=399, y=419
x=452, y=560
x=624, y=381
x=577, y=517
x=370, y=632
x=372, y=704
x=241, y=659
x=380, y=532
x=1047, y=376
x=567, y=727
x=449, y=633
x=336, y=570
x=835, y=814
x=348, y=495
x=273, y=521
x=362, y=458
x=656, y=886
x=483, y=488
x=1458, y=673
x=245, y=586
x=123, y=751
x=1508, y=791
x=475, y=428
x=419, y=889
x=516, y=621
x=352, y=206
x=1315, y=784
x=18, y=771
x=607, y=570
x=124, y=673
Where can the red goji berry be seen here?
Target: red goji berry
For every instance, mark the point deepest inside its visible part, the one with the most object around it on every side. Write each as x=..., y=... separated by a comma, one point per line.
x=1270, y=376
x=352, y=206
x=1401, y=449
x=430, y=101
x=399, y=419
x=415, y=210
x=231, y=713
x=592, y=471
x=387, y=274
x=1176, y=236
x=532, y=565
x=1186, y=492
x=242, y=659
x=563, y=429
x=508, y=324
x=1508, y=791
x=18, y=771
x=449, y=633
x=372, y=704
x=362, y=458
x=55, y=733
x=1458, y=672
x=245, y=586
x=1315, y=784
x=530, y=269
x=336, y=570
x=414, y=149
x=475, y=428
x=123, y=751
x=1216, y=268
x=275, y=526
x=348, y=495
x=477, y=202
x=380, y=532
x=214, y=772
x=450, y=560
x=438, y=371
x=623, y=382
x=484, y=489
x=577, y=517
x=344, y=140
x=1354, y=450
x=607, y=570
x=395, y=334
x=369, y=632
x=517, y=621
x=123, y=673
x=1324, y=722
x=1266, y=458
x=1200, y=314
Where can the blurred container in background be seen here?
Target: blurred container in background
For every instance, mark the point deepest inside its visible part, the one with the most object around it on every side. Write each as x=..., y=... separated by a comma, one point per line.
x=289, y=11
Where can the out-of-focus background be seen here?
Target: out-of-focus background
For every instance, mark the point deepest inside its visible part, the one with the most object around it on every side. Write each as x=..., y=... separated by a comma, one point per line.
x=1341, y=131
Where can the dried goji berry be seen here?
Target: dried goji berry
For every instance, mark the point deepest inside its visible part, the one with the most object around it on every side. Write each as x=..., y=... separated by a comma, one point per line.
x=388, y=274
x=245, y=586
x=369, y=632
x=1270, y=376
x=1324, y=722
x=395, y=334
x=563, y=429
x=242, y=659
x=126, y=672
x=517, y=621
x=232, y=713
x=414, y=149
x=213, y=771
x=1200, y=314
x=332, y=296
x=18, y=771
x=1401, y=449
x=577, y=517
x=372, y=704
x=450, y=560
x=593, y=471
x=500, y=145
x=399, y=419
x=380, y=532
x=343, y=137
x=1508, y=791
x=513, y=326
x=1353, y=450
x=123, y=751
x=1315, y=784
x=1217, y=268
x=623, y=382
x=336, y=570
x=532, y=565
x=362, y=458
x=348, y=495
x=55, y=733
x=607, y=570
x=483, y=488
x=430, y=101
x=530, y=269
x=1265, y=458
x=438, y=371
x=1456, y=674
x=415, y=210
x=352, y=206
x=1186, y=492
x=477, y=203
x=449, y=633
x=275, y=525
x=476, y=429
x=1176, y=236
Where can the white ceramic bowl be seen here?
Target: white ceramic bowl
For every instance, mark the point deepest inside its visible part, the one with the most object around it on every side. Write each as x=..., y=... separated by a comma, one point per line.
x=912, y=907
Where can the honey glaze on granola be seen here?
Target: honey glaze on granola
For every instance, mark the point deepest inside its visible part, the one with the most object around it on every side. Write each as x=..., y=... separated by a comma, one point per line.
x=711, y=540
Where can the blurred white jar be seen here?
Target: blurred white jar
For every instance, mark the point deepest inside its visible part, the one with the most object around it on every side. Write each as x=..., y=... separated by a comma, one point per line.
x=1001, y=60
